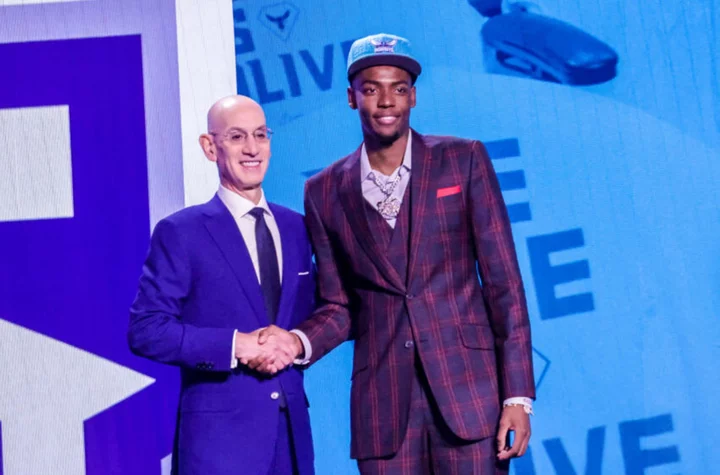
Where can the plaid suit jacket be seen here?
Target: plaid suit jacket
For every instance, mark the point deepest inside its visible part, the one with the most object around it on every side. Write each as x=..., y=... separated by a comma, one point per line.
x=472, y=338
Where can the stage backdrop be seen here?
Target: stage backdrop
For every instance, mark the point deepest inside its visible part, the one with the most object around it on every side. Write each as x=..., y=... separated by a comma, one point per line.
x=603, y=122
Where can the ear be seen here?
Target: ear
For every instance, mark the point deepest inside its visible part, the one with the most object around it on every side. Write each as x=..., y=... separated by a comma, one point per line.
x=412, y=97
x=351, y=98
x=207, y=143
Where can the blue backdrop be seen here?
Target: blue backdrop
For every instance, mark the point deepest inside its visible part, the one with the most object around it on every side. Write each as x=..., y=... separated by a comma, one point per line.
x=602, y=118
x=602, y=121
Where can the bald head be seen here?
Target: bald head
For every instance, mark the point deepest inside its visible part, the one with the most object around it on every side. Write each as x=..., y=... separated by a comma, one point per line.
x=238, y=141
x=231, y=109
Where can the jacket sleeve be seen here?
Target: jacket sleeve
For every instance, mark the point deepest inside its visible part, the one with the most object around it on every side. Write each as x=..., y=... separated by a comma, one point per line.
x=156, y=329
x=503, y=290
x=330, y=323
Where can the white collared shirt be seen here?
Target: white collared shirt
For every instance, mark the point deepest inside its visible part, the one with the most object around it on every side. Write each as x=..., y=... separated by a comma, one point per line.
x=240, y=208
x=371, y=191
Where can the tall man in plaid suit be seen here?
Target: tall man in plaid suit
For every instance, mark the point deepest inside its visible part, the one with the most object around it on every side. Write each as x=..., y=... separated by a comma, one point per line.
x=442, y=366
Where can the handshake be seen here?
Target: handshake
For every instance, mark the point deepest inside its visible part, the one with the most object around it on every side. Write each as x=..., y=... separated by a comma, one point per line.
x=268, y=350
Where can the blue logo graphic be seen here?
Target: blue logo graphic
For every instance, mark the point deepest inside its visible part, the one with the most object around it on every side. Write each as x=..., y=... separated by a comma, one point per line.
x=280, y=18
x=280, y=78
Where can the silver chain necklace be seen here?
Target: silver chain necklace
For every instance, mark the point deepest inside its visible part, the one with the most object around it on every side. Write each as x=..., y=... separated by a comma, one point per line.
x=388, y=207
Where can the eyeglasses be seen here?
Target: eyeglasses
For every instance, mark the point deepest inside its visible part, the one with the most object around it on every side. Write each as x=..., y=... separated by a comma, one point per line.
x=239, y=137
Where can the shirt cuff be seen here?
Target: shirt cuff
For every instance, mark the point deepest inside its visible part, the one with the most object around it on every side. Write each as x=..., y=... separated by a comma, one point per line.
x=233, y=360
x=526, y=402
x=306, y=346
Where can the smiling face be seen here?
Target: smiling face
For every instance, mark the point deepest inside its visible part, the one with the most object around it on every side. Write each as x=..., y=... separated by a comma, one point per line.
x=383, y=95
x=239, y=143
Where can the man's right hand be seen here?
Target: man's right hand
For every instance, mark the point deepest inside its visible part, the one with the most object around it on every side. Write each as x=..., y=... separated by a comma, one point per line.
x=248, y=350
x=286, y=347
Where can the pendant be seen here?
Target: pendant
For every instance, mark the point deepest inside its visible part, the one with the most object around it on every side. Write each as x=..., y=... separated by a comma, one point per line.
x=389, y=208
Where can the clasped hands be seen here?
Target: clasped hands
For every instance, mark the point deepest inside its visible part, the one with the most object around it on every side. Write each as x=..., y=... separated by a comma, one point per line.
x=268, y=350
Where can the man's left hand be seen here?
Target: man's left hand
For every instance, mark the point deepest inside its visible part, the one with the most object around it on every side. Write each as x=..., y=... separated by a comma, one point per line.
x=514, y=418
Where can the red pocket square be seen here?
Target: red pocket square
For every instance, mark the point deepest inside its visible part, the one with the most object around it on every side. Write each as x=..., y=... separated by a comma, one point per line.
x=450, y=190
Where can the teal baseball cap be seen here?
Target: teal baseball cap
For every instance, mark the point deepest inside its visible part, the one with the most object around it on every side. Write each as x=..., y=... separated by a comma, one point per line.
x=382, y=50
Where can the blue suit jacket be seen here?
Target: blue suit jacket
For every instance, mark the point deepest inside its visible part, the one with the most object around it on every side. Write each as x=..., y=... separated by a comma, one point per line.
x=197, y=286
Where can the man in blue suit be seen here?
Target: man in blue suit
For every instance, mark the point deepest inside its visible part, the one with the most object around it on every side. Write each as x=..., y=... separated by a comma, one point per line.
x=216, y=274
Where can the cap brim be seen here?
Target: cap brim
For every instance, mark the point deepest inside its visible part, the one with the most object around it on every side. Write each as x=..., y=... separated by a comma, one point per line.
x=398, y=60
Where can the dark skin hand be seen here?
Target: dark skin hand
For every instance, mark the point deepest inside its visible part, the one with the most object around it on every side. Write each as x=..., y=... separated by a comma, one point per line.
x=514, y=419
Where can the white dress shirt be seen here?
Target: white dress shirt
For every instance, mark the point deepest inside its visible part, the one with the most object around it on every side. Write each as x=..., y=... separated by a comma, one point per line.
x=240, y=208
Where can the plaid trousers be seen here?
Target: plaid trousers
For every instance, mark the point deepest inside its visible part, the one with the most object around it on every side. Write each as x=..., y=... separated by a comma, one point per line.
x=430, y=447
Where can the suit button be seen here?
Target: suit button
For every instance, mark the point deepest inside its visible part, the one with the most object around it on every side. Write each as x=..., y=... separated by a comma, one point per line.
x=409, y=296
x=409, y=344
x=274, y=395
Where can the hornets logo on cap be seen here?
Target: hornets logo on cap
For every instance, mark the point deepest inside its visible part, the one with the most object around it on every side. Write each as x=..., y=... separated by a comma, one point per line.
x=384, y=46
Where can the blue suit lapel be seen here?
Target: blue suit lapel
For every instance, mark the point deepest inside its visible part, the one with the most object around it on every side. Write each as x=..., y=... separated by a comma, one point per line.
x=225, y=233
x=289, y=268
